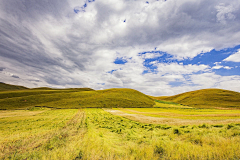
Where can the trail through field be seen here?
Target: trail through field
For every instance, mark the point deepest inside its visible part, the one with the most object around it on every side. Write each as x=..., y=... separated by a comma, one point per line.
x=51, y=134
x=141, y=117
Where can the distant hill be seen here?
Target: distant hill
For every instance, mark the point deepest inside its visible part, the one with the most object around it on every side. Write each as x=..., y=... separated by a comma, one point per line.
x=78, y=89
x=206, y=98
x=74, y=98
x=8, y=87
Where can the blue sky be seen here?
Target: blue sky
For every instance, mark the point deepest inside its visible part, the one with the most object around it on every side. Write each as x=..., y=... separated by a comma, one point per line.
x=212, y=59
x=157, y=47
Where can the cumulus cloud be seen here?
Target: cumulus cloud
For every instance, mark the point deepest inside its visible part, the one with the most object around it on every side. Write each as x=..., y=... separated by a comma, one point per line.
x=217, y=67
x=72, y=43
x=180, y=68
x=211, y=80
x=234, y=57
x=225, y=12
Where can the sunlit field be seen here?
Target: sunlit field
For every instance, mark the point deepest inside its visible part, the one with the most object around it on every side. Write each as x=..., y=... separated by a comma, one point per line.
x=185, y=113
x=97, y=134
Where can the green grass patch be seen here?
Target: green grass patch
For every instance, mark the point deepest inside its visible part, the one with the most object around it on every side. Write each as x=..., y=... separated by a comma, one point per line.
x=166, y=102
x=169, y=105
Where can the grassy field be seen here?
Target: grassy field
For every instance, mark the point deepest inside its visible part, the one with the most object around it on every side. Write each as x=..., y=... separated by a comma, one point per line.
x=96, y=134
x=206, y=98
x=164, y=104
x=179, y=116
x=74, y=98
x=185, y=113
x=111, y=124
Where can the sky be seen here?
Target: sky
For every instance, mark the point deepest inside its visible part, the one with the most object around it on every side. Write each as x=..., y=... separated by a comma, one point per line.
x=158, y=47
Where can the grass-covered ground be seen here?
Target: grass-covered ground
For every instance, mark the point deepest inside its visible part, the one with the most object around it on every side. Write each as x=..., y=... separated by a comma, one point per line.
x=206, y=98
x=97, y=134
x=19, y=97
x=74, y=98
x=45, y=123
x=185, y=113
x=7, y=87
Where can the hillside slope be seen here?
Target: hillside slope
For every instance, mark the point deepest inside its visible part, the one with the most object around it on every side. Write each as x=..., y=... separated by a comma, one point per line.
x=73, y=98
x=206, y=98
x=8, y=87
x=60, y=89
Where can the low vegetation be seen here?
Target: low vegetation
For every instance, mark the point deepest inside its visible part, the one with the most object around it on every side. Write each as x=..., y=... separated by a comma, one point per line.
x=51, y=134
x=166, y=104
x=179, y=116
x=45, y=123
x=74, y=98
x=206, y=98
x=97, y=134
x=7, y=87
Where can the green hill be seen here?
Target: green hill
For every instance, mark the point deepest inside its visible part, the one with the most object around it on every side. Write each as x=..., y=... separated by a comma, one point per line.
x=8, y=87
x=206, y=98
x=59, y=89
x=74, y=98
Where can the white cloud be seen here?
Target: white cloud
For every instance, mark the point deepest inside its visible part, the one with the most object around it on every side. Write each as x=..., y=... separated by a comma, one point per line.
x=180, y=68
x=151, y=55
x=227, y=67
x=217, y=67
x=225, y=13
x=234, y=57
x=45, y=43
x=211, y=80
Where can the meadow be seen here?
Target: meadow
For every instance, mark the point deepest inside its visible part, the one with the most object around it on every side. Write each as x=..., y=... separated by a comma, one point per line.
x=82, y=123
x=91, y=133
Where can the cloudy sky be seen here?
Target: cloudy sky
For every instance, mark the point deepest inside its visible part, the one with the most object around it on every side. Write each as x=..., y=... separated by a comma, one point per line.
x=159, y=47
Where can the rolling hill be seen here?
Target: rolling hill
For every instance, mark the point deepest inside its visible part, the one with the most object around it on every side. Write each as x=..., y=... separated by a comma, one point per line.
x=206, y=98
x=60, y=89
x=74, y=98
x=19, y=97
x=7, y=87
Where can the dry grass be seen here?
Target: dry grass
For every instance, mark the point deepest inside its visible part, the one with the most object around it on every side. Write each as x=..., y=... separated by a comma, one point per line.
x=97, y=134
x=144, y=117
x=42, y=136
x=19, y=113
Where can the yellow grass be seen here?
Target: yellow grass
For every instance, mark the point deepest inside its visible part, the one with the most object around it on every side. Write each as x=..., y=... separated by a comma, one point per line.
x=97, y=134
x=155, y=118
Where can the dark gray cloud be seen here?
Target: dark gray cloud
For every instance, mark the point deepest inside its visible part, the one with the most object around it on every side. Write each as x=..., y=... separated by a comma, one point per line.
x=2, y=68
x=14, y=76
x=33, y=80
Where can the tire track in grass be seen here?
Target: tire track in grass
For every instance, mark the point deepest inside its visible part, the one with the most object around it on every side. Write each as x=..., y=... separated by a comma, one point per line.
x=49, y=144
